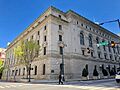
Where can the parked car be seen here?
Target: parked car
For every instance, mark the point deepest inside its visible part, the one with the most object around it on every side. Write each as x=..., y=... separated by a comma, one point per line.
x=117, y=77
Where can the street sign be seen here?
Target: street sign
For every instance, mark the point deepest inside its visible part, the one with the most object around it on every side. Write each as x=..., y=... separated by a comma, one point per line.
x=102, y=44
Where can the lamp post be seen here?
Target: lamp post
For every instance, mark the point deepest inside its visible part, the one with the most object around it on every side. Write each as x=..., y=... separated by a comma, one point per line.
x=62, y=64
x=117, y=20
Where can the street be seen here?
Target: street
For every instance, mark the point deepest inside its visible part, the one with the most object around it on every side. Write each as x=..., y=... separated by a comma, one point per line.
x=108, y=84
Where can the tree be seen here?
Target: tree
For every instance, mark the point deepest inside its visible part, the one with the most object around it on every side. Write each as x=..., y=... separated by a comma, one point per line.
x=1, y=67
x=95, y=72
x=26, y=52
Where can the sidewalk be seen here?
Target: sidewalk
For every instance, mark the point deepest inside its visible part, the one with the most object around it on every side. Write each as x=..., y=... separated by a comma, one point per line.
x=70, y=81
x=66, y=82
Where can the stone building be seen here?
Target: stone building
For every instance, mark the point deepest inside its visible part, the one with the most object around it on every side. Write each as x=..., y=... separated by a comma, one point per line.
x=68, y=32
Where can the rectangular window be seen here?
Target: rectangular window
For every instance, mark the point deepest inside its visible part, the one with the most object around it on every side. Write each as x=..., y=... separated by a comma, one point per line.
x=115, y=57
x=60, y=37
x=45, y=27
x=43, y=69
x=83, y=52
x=44, y=50
x=38, y=33
x=35, y=70
x=19, y=71
x=38, y=42
x=105, y=55
x=110, y=57
x=61, y=50
x=91, y=54
x=44, y=38
x=99, y=55
x=60, y=27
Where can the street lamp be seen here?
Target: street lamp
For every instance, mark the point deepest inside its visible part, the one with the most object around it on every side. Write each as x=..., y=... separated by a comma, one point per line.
x=117, y=20
x=62, y=64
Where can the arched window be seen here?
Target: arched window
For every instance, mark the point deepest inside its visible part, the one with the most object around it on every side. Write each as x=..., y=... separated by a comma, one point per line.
x=81, y=38
x=90, y=40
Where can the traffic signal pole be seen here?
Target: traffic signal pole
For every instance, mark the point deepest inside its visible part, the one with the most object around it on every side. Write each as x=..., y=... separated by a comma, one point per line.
x=117, y=20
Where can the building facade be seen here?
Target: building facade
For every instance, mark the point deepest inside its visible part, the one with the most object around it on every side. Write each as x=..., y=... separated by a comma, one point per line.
x=66, y=33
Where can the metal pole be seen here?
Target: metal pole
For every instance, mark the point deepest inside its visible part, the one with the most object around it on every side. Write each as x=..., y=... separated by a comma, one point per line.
x=118, y=23
x=62, y=63
x=29, y=72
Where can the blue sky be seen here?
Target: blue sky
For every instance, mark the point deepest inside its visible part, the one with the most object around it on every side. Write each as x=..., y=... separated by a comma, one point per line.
x=16, y=15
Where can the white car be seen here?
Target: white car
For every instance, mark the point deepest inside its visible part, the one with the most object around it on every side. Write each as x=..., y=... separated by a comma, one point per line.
x=117, y=77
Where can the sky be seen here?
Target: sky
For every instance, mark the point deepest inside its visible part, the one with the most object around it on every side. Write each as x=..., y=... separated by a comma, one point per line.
x=17, y=15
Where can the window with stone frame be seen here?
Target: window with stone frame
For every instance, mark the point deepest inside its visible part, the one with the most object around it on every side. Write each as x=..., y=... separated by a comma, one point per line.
x=97, y=41
x=92, y=54
x=45, y=38
x=115, y=58
x=61, y=50
x=19, y=71
x=38, y=42
x=60, y=27
x=81, y=38
x=99, y=54
x=38, y=33
x=43, y=69
x=104, y=47
x=60, y=37
x=111, y=58
x=90, y=40
x=44, y=51
x=45, y=27
x=35, y=70
x=109, y=47
x=105, y=55
x=83, y=52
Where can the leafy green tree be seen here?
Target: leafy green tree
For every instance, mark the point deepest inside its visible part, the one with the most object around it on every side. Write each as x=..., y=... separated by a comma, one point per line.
x=1, y=67
x=26, y=52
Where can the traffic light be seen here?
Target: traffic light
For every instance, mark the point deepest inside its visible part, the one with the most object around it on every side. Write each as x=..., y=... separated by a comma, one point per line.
x=88, y=50
x=112, y=44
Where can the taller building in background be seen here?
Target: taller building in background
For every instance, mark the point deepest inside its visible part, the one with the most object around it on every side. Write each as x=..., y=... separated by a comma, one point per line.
x=66, y=34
